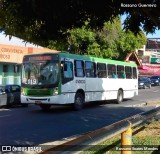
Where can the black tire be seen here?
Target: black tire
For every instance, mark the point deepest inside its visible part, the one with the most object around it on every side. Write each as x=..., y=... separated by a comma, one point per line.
x=120, y=96
x=9, y=102
x=45, y=107
x=24, y=105
x=78, y=101
x=8, y=105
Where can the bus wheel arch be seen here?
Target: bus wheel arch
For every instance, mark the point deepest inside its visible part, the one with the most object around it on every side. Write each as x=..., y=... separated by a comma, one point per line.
x=119, y=96
x=79, y=100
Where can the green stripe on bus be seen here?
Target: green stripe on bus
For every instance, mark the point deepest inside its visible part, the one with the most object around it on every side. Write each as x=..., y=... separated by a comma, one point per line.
x=94, y=59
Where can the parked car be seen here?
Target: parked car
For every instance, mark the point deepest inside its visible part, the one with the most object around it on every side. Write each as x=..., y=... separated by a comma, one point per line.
x=10, y=95
x=155, y=80
x=3, y=97
x=144, y=82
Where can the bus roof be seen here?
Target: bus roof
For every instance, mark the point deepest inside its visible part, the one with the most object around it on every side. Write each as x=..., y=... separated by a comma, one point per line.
x=88, y=58
x=94, y=59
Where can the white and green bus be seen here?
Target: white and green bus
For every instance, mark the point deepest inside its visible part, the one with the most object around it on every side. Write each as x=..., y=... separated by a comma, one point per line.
x=63, y=78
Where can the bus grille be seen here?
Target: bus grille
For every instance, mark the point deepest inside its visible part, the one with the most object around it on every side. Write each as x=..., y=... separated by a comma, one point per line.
x=39, y=92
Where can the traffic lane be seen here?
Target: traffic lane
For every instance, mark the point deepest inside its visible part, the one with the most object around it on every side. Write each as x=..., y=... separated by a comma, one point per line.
x=146, y=95
x=32, y=126
x=31, y=121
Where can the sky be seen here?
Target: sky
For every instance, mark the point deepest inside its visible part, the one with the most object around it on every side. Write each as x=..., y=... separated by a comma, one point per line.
x=150, y=35
x=155, y=35
x=14, y=41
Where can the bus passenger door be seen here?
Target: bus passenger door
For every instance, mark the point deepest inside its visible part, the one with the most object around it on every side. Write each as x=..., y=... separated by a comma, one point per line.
x=67, y=81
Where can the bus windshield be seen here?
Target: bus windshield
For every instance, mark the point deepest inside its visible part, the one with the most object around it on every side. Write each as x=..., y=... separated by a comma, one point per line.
x=40, y=72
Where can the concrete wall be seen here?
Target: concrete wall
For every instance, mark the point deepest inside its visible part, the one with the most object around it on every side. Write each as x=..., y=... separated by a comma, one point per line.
x=9, y=77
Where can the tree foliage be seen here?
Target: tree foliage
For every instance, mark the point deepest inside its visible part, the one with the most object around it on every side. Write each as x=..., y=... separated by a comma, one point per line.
x=108, y=42
x=129, y=42
x=39, y=21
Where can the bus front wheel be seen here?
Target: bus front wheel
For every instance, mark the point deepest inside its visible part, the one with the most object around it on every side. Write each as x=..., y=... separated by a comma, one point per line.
x=120, y=96
x=78, y=102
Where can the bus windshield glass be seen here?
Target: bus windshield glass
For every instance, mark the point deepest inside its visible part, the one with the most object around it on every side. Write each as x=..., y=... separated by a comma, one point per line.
x=40, y=72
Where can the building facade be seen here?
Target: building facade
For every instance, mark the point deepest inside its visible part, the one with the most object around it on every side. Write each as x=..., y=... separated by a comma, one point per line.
x=147, y=58
x=10, y=62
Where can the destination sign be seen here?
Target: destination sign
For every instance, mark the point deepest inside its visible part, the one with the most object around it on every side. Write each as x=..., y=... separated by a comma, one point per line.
x=40, y=58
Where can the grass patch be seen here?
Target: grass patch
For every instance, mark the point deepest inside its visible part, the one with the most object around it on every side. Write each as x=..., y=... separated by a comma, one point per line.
x=153, y=103
x=148, y=136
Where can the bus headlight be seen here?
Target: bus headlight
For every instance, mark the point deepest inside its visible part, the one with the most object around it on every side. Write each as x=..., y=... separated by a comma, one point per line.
x=22, y=91
x=141, y=84
x=55, y=91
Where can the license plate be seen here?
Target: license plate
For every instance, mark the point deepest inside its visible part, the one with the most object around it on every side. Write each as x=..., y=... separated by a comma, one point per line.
x=38, y=102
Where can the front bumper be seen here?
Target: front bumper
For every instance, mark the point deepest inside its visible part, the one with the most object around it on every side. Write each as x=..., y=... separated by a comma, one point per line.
x=154, y=83
x=140, y=86
x=55, y=99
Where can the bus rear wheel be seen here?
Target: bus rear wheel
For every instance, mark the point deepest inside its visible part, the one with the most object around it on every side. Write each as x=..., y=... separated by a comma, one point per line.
x=78, y=101
x=45, y=107
x=120, y=96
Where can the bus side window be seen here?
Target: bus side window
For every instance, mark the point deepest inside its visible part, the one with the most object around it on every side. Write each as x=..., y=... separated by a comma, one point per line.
x=101, y=70
x=90, y=69
x=79, y=68
x=128, y=71
x=67, y=71
x=134, y=73
x=112, y=71
x=120, y=72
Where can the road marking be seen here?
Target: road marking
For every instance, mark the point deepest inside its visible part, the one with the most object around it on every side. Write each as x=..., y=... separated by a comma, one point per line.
x=4, y=116
x=1, y=109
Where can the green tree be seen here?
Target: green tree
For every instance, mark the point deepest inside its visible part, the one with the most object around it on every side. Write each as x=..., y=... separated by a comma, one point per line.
x=80, y=38
x=107, y=38
x=109, y=42
x=128, y=42
x=39, y=21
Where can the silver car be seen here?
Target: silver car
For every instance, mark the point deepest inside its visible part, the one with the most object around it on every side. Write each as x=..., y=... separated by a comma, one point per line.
x=3, y=97
x=10, y=95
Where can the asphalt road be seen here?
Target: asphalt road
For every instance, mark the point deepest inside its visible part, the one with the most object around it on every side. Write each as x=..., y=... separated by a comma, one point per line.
x=31, y=126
